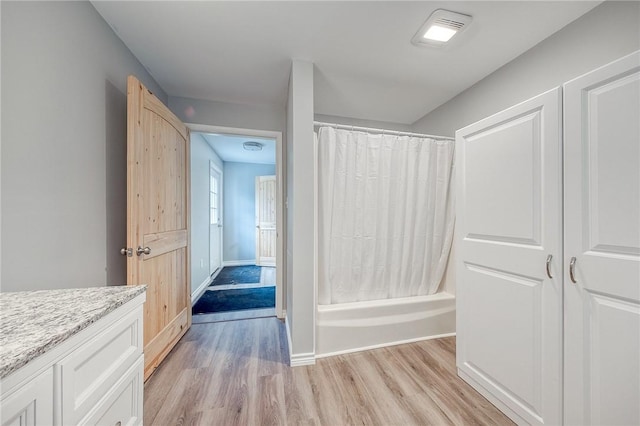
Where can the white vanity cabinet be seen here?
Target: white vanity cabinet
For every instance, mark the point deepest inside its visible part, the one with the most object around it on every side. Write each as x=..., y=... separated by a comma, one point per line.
x=31, y=403
x=94, y=376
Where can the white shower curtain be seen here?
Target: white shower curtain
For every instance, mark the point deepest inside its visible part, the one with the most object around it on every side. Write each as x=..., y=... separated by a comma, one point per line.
x=385, y=215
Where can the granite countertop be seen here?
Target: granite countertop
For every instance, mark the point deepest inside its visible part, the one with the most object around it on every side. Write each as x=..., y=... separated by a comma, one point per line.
x=33, y=322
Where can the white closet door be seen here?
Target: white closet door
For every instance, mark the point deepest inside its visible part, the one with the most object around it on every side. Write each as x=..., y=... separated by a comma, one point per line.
x=509, y=211
x=602, y=232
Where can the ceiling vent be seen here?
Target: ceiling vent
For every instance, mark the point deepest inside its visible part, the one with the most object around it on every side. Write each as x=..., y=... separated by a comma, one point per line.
x=440, y=28
x=252, y=146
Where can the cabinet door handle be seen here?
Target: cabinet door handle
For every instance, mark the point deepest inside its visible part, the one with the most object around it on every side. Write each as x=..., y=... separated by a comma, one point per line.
x=572, y=270
x=548, y=265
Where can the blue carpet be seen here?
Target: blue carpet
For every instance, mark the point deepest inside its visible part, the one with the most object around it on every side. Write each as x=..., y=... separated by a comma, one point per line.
x=235, y=300
x=238, y=275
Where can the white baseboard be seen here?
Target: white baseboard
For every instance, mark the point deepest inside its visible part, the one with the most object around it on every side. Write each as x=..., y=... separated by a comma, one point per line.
x=297, y=360
x=239, y=262
x=384, y=345
x=199, y=291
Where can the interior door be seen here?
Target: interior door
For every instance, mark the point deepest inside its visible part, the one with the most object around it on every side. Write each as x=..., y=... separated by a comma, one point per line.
x=602, y=234
x=215, y=218
x=266, y=220
x=509, y=217
x=158, y=219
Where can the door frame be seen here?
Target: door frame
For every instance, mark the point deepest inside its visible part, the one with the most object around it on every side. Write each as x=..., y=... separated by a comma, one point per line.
x=280, y=202
x=215, y=167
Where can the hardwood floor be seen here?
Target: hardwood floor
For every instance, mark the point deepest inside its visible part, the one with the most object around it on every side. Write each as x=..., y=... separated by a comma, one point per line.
x=237, y=373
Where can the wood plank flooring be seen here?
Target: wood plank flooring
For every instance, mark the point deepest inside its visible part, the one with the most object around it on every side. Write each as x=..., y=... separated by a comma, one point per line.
x=237, y=373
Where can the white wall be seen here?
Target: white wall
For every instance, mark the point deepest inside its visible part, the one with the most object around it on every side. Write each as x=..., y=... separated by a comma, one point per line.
x=300, y=292
x=606, y=33
x=386, y=125
x=63, y=171
x=239, y=207
x=257, y=117
x=201, y=154
x=289, y=206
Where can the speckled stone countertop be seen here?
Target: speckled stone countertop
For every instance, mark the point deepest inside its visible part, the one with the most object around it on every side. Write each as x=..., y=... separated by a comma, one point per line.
x=32, y=322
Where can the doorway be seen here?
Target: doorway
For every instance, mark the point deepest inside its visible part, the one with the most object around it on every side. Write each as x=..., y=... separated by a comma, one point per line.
x=238, y=264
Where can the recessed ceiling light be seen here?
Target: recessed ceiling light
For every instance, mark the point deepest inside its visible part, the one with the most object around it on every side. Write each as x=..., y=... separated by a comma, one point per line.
x=252, y=146
x=438, y=33
x=441, y=27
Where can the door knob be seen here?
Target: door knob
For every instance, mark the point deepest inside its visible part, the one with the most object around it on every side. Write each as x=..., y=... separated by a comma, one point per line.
x=126, y=251
x=140, y=251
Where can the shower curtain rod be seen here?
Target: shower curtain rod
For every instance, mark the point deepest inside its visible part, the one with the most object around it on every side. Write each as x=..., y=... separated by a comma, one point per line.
x=383, y=131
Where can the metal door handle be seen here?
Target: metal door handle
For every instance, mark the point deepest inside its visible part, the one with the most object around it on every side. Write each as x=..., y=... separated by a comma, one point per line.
x=549, y=265
x=126, y=251
x=572, y=270
x=140, y=251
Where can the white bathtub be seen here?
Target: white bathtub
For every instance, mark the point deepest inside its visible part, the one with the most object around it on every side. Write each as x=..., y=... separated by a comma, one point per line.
x=358, y=326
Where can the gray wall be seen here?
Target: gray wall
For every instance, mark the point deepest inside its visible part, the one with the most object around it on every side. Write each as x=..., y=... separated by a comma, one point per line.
x=607, y=32
x=300, y=292
x=64, y=76
x=604, y=34
x=201, y=154
x=386, y=125
x=239, y=207
x=227, y=114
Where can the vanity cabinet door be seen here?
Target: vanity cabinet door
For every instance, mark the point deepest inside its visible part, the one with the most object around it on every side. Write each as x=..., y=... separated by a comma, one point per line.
x=31, y=404
x=90, y=371
x=122, y=404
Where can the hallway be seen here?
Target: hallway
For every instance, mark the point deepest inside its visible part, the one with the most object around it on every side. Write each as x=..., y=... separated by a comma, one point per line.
x=237, y=373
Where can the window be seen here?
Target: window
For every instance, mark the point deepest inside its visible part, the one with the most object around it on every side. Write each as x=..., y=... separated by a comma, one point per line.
x=214, y=213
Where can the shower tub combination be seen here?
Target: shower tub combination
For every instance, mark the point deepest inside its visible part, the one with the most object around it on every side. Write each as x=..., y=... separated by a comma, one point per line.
x=357, y=326
x=385, y=226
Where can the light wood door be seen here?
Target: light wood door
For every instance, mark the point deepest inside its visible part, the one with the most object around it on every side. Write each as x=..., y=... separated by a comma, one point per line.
x=602, y=233
x=158, y=219
x=509, y=218
x=266, y=220
x=215, y=218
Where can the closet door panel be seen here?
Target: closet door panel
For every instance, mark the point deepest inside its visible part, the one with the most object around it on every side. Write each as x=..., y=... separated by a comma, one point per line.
x=602, y=232
x=505, y=195
x=509, y=209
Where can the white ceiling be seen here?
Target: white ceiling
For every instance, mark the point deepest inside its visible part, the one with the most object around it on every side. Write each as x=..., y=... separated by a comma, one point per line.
x=229, y=148
x=365, y=64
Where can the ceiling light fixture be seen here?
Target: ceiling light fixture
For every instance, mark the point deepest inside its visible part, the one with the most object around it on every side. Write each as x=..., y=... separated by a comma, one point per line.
x=252, y=146
x=441, y=27
x=438, y=33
